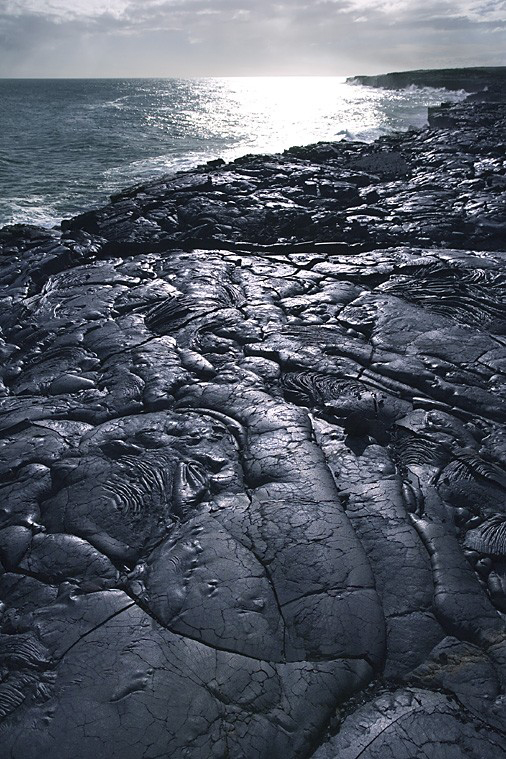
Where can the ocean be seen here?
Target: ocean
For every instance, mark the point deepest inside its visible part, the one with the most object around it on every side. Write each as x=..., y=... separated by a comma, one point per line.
x=67, y=144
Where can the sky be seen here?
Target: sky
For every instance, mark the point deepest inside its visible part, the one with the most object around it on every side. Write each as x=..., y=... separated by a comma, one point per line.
x=157, y=38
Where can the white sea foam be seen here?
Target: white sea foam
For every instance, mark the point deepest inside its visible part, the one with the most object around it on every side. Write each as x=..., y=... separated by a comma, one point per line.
x=436, y=92
x=35, y=210
x=71, y=146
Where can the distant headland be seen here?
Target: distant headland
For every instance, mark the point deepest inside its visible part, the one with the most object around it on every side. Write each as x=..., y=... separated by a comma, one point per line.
x=475, y=79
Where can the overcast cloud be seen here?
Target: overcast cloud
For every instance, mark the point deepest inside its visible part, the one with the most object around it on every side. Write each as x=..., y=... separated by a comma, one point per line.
x=246, y=37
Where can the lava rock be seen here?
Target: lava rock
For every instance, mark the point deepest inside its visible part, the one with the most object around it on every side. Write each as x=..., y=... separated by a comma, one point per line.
x=252, y=454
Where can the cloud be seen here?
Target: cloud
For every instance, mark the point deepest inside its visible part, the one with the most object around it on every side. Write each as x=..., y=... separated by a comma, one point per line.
x=221, y=37
x=63, y=10
x=474, y=10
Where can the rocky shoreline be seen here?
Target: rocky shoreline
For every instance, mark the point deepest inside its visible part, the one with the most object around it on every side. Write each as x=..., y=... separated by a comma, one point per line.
x=253, y=459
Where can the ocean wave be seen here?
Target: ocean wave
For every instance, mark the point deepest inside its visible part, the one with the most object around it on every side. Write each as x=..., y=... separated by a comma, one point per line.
x=363, y=135
x=147, y=168
x=119, y=103
x=413, y=89
x=35, y=210
x=435, y=92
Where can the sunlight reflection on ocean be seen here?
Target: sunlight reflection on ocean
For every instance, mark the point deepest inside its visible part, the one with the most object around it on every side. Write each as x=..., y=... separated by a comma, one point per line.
x=66, y=145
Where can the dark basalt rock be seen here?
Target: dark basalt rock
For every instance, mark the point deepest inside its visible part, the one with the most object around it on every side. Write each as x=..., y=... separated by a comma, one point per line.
x=253, y=460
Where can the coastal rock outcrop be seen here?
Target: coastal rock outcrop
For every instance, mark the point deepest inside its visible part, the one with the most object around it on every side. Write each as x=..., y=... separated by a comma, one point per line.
x=253, y=459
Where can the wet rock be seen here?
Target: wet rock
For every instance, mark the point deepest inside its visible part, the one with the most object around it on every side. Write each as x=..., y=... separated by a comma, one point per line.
x=252, y=456
x=393, y=723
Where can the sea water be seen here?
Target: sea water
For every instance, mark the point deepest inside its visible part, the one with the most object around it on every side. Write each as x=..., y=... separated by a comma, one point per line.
x=67, y=144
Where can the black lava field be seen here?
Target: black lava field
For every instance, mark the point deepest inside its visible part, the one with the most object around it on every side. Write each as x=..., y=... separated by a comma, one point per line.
x=252, y=459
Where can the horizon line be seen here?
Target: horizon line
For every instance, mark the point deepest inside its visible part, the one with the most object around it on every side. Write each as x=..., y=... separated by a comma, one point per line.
x=244, y=76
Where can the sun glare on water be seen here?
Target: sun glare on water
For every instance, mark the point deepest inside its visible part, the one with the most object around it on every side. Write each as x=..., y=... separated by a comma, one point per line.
x=283, y=111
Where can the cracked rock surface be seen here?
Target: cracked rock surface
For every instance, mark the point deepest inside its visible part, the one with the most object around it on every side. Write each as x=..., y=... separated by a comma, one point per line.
x=253, y=459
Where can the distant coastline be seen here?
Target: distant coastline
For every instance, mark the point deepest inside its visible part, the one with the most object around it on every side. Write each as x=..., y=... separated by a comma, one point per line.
x=472, y=79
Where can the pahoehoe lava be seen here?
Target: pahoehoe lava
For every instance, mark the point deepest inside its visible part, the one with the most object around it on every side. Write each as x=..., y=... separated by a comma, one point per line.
x=253, y=459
